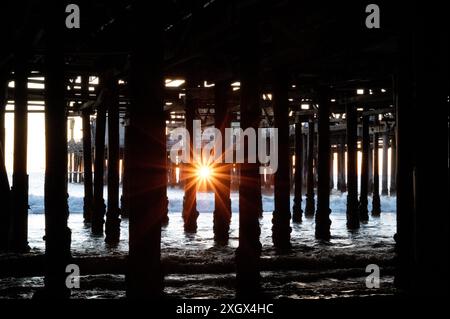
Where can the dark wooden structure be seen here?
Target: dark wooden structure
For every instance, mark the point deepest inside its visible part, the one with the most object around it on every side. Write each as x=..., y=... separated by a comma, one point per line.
x=138, y=50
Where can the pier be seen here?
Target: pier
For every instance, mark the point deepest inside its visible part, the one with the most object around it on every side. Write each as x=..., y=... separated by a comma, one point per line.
x=134, y=71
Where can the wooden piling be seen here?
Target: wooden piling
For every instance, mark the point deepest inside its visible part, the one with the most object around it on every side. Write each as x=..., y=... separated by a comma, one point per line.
x=352, y=173
x=5, y=191
x=98, y=214
x=323, y=221
x=3, y=102
x=281, y=230
x=190, y=213
x=305, y=161
x=19, y=218
x=147, y=153
x=384, y=179
x=331, y=169
x=222, y=200
x=87, y=159
x=57, y=234
x=310, y=202
x=342, y=184
x=393, y=186
x=5, y=199
x=297, y=211
x=364, y=178
x=112, y=224
x=370, y=188
x=376, y=206
x=249, y=251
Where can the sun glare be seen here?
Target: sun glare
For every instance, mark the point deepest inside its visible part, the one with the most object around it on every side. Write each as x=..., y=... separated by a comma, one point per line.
x=204, y=172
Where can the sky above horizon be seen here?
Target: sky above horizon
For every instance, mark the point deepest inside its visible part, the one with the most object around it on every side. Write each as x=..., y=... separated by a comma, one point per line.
x=36, y=141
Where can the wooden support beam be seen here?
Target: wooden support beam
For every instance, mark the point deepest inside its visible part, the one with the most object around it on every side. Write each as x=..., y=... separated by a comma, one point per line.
x=305, y=159
x=98, y=213
x=310, y=202
x=57, y=234
x=3, y=102
x=427, y=81
x=222, y=200
x=352, y=185
x=165, y=199
x=405, y=129
x=190, y=213
x=249, y=251
x=323, y=221
x=19, y=219
x=370, y=188
x=147, y=154
x=281, y=230
x=112, y=225
x=71, y=157
x=88, y=204
x=331, y=169
x=125, y=200
x=376, y=207
x=364, y=178
x=297, y=211
x=384, y=177
x=5, y=191
x=5, y=199
x=393, y=186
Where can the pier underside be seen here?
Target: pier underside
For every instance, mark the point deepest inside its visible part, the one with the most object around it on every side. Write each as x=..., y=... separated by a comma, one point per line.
x=349, y=183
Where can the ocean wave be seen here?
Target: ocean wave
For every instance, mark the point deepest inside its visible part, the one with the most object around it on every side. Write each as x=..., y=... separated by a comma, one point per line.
x=205, y=202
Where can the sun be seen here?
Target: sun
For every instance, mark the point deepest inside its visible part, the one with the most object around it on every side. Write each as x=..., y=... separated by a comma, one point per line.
x=204, y=172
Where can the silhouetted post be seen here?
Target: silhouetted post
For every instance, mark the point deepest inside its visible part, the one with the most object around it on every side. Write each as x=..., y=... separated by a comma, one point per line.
x=19, y=218
x=376, y=208
x=57, y=234
x=190, y=213
x=393, y=188
x=258, y=192
x=125, y=200
x=98, y=213
x=315, y=164
x=80, y=167
x=87, y=158
x=5, y=199
x=331, y=169
x=249, y=251
x=342, y=186
x=323, y=221
x=291, y=162
x=363, y=197
x=305, y=161
x=370, y=188
x=297, y=211
x=405, y=129
x=5, y=191
x=310, y=203
x=75, y=167
x=384, y=186
x=3, y=102
x=165, y=199
x=112, y=225
x=423, y=238
x=147, y=158
x=281, y=229
x=222, y=200
x=71, y=153
x=352, y=173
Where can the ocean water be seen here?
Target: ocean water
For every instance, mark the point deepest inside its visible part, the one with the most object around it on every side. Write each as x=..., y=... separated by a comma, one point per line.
x=198, y=268
x=381, y=228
